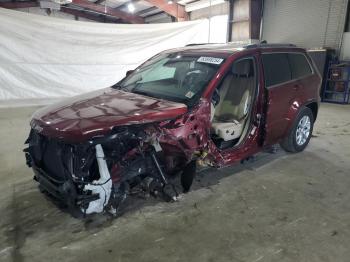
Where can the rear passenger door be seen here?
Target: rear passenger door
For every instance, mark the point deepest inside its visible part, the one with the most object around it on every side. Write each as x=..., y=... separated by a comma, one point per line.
x=280, y=93
x=302, y=75
x=287, y=78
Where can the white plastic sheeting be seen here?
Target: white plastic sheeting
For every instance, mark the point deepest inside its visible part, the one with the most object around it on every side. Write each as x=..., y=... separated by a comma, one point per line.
x=43, y=57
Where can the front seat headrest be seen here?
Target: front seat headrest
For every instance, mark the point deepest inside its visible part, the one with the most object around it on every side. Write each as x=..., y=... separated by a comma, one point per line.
x=242, y=68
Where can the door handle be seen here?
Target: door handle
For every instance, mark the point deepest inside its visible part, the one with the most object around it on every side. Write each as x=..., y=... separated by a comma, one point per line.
x=296, y=87
x=257, y=120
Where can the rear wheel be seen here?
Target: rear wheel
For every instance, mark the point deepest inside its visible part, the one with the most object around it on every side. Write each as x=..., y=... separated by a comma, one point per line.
x=300, y=133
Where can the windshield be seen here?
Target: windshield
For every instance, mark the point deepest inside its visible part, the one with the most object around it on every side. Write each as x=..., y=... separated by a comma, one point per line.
x=175, y=77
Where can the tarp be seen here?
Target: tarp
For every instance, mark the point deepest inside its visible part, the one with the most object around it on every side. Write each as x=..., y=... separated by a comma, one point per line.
x=44, y=57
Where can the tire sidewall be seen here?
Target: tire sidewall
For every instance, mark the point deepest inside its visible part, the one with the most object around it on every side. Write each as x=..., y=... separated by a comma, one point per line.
x=304, y=111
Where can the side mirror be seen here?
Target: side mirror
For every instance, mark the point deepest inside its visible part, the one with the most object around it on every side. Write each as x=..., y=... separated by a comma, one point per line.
x=129, y=72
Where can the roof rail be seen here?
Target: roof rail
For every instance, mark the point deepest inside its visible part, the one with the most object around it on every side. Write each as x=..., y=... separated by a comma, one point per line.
x=202, y=44
x=263, y=45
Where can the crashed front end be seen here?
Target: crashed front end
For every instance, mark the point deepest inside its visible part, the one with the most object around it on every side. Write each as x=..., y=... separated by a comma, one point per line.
x=97, y=175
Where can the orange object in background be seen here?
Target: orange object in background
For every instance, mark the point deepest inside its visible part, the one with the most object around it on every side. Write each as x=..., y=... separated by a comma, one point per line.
x=336, y=74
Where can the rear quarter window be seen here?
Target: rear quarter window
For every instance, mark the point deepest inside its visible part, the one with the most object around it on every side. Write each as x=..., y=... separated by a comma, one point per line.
x=276, y=68
x=299, y=65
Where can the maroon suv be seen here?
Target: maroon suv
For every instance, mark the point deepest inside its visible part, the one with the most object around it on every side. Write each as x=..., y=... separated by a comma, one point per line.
x=203, y=104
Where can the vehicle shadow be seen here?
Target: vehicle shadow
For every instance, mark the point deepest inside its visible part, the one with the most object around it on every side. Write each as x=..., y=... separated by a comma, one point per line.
x=29, y=217
x=30, y=211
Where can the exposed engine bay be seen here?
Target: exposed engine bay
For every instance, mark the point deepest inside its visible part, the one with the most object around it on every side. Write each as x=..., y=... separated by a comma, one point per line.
x=98, y=175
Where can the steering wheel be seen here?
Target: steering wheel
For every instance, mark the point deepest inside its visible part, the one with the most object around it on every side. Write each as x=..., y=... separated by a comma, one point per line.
x=192, y=79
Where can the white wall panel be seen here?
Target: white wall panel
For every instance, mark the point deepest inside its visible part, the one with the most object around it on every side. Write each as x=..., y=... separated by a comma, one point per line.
x=307, y=23
x=42, y=57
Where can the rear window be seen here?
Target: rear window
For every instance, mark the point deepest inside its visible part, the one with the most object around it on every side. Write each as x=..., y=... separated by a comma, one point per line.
x=276, y=68
x=299, y=65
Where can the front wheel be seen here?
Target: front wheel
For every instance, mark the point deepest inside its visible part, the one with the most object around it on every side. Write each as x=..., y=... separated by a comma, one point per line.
x=300, y=133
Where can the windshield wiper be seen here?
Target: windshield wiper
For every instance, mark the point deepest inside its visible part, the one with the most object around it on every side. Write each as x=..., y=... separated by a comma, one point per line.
x=142, y=93
x=158, y=96
x=120, y=87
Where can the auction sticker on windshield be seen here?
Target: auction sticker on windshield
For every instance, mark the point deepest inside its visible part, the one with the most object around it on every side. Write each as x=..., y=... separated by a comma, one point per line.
x=210, y=60
x=189, y=94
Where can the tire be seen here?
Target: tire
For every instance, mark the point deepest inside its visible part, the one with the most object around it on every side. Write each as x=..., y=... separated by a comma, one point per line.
x=299, y=135
x=188, y=175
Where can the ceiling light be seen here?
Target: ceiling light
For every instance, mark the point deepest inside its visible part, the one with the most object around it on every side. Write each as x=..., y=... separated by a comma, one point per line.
x=170, y=2
x=131, y=7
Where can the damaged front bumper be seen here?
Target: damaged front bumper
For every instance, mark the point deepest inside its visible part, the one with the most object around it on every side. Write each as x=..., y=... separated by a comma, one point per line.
x=97, y=176
x=64, y=192
x=78, y=196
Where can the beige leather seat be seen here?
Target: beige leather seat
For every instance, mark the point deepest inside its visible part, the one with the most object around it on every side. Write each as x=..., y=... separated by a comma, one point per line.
x=230, y=113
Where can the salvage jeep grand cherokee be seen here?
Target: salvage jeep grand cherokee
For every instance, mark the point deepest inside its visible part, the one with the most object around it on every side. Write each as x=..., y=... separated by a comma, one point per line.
x=208, y=104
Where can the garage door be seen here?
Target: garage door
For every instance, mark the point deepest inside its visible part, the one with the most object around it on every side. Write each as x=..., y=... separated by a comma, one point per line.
x=311, y=23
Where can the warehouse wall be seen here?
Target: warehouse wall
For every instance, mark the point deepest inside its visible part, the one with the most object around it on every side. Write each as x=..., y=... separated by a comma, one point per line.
x=345, y=50
x=221, y=9
x=311, y=23
x=218, y=16
x=158, y=18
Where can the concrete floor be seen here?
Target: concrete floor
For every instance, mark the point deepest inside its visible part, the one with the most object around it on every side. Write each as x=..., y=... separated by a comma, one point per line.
x=282, y=207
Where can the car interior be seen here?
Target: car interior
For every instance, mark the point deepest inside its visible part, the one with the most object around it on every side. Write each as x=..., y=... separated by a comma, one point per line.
x=183, y=78
x=232, y=103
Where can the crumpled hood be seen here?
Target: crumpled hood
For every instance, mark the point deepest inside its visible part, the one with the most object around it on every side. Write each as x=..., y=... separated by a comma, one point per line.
x=80, y=118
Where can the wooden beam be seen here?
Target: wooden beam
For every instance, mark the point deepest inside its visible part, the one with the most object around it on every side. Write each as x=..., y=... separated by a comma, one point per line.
x=244, y=22
x=134, y=19
x=14, y=5
x=126, y=4
x=255, y=18
x=230, y=20
x=147, y=10
x=79, y=13
x=173, y=9
x=95, y=17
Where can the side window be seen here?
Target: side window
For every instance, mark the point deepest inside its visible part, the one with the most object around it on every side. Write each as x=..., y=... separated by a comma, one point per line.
x=299, y=65
x=276, y=69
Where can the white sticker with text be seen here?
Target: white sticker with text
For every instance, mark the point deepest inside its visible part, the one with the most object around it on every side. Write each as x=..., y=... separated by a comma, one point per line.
x=210, y=60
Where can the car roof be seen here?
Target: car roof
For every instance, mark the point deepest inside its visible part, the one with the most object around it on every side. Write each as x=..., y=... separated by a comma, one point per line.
x=231, y=48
